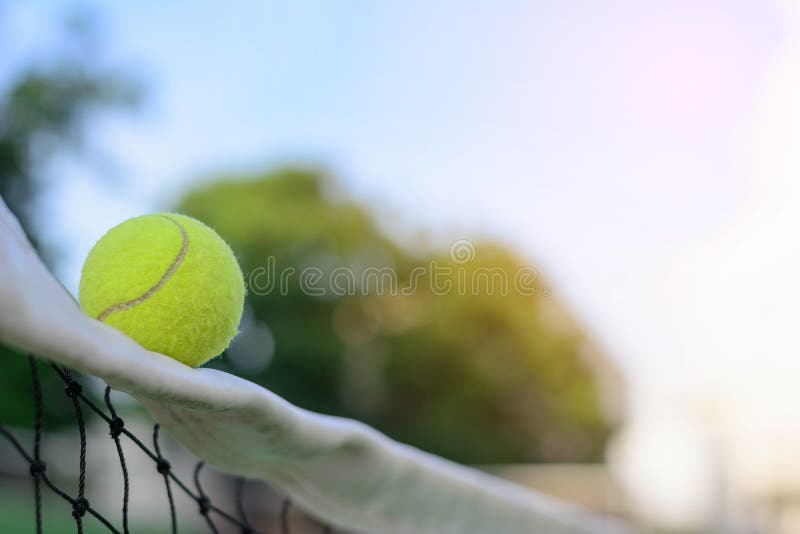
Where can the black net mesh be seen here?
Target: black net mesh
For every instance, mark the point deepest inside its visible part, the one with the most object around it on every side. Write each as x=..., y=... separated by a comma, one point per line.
x=216, y=519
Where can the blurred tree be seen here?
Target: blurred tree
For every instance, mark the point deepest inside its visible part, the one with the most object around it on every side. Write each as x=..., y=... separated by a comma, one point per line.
x=477, y=374
x=44, y=111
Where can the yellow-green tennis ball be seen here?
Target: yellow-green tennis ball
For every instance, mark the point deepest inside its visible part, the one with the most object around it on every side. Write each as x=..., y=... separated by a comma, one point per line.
x=169, y=282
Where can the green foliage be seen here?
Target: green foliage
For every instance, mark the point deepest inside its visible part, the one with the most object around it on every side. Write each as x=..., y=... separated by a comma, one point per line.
x=17, y=408
x=477, y=375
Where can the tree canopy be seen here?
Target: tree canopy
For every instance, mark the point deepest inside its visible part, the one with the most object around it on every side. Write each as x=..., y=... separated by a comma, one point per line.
x=477, y=374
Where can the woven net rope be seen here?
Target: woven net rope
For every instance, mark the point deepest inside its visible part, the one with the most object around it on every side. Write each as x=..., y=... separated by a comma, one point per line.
x=347, y=474
x=212, y=515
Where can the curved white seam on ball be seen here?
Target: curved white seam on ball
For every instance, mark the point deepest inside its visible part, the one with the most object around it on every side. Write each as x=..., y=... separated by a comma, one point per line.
x=149, y=293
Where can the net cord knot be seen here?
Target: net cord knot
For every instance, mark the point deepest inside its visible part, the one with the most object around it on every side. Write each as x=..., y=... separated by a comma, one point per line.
x=38, y=468
x=79, y=507
x=163, y=466
x=116, y=425
x=205, y=505
x=73, y=389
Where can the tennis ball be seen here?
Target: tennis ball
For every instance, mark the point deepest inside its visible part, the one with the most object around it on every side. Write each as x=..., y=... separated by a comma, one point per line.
x=169, y=282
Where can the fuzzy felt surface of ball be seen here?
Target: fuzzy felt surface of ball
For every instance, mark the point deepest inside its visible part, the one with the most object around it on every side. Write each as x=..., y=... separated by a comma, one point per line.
x=169, y=282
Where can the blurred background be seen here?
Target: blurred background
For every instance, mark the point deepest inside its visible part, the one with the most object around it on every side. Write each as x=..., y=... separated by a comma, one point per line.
x=639, y=160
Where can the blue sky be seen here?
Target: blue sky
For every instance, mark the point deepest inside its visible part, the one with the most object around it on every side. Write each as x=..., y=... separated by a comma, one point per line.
x=599, y=137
